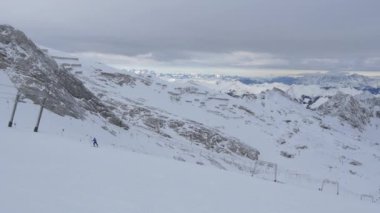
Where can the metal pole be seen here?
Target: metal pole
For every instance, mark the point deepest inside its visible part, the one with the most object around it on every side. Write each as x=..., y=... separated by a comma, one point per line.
x=254, y=168
x=337, y=188
x=275, y=172
x=158, y=127
x=10, y=124
x=39, y=115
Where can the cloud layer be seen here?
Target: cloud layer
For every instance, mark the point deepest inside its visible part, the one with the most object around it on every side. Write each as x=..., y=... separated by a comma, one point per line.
x=291, y=34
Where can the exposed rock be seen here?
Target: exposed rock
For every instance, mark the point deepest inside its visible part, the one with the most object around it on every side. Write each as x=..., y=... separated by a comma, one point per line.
x=195, y=132
x=308, y=101
x=214, y=140
x=346, y=108
x=233, y=94
x=37, y=77
x=286, y=154
x=324, y=126
x=281, y=141
x=125, y=79
x=249, y=96
x=120, y=79
x=355, y=163
x=245, y=109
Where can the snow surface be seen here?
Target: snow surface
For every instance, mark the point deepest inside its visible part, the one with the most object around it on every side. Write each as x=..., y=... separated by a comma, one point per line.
x=57, y=170
x=45, y=173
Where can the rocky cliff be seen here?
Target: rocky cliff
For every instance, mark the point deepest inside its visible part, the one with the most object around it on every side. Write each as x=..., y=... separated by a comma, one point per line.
x=37, y=77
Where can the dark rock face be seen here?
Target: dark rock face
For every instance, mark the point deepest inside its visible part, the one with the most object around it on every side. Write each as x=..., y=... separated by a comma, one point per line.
x=286, y=154
x=194, y=132
x=245, y=109
x=373, y=105
x=249, y=96
x=348, y=109
x=355, y=163
x=308, y=101
x=119, y=78
x=213, y=140
x=37, y=76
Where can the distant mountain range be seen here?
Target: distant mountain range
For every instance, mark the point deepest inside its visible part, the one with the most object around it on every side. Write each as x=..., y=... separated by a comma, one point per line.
x=325, y=80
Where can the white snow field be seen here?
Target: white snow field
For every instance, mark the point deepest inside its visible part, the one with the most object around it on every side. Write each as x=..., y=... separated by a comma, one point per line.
x=41, y=172
x=142, y=170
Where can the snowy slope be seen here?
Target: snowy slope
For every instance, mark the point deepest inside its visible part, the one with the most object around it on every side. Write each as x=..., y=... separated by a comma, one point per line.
x=318, y=147
x=59, y=175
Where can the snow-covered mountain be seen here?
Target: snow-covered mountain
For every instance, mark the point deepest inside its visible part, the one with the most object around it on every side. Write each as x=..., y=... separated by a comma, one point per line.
x=301, y=135
x=38, y=77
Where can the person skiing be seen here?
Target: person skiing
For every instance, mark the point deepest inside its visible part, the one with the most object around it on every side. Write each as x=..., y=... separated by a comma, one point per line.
x=94, y=142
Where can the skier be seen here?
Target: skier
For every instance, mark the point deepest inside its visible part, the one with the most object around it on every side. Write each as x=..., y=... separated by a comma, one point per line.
x=94, y=142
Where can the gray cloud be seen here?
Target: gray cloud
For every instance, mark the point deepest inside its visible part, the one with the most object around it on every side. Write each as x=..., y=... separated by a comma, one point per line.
x=289, y=34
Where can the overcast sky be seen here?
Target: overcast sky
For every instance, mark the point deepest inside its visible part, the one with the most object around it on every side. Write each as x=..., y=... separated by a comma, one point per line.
x=212, y=35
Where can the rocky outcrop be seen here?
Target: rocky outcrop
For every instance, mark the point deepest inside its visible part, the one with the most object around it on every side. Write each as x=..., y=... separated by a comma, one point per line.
x=37, y=77
x=124, y=79
x=212, y=139
x=168, y=126
x=348, y=109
